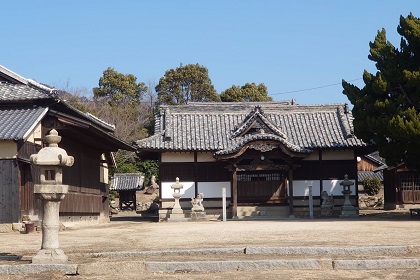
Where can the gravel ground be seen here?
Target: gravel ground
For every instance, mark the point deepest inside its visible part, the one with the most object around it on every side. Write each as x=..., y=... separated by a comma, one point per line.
x=132, y=234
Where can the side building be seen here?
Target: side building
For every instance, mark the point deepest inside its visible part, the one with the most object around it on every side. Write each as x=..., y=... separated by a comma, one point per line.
x=28, y=111
x=266, y=155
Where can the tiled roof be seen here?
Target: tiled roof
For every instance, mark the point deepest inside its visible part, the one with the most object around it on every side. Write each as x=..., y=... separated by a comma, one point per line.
x=375, y=157
x=363, y=175
x=222, y=126
x=16, y=123
x=126, y=181
x=15, y=92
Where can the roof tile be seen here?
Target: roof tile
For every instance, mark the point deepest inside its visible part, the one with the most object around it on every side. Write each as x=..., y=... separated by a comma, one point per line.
x=210, y=126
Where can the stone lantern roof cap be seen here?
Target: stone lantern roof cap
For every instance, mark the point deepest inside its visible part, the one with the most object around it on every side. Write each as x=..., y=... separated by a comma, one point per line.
x=346, y=181
x=52, y=155
x=177, y=184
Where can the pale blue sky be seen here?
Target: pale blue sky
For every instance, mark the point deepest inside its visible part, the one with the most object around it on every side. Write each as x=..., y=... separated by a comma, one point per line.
x=287, y=45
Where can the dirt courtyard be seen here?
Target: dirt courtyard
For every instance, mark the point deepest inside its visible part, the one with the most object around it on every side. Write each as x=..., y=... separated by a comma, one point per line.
x=133, y=234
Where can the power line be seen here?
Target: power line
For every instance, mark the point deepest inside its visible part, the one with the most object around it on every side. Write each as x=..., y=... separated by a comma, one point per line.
x=307, y=89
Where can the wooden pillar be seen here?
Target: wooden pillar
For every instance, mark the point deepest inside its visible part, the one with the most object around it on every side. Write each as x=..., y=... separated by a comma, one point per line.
x=356, y=179
x=234, y=193
x=195, y=175
x=291, y=212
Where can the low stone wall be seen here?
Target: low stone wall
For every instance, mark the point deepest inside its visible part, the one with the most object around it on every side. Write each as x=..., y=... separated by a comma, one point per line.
x=367, y=201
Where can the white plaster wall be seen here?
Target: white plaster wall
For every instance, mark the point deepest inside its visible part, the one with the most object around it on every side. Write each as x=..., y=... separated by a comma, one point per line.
x=104, y=171
x=333, y=187
x=8, y=149
x=338, y=155
x=177, y=157
x=213, y=189
x=313, y=156
x=301, y=187
x=205, y=157
x=36, y=133
x=186, y=192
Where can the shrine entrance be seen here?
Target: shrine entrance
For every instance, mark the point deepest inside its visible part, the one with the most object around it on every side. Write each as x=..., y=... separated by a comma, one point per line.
x=261, y=187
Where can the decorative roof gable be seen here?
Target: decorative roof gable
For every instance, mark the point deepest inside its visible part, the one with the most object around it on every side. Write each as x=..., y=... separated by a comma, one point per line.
x=257, y=122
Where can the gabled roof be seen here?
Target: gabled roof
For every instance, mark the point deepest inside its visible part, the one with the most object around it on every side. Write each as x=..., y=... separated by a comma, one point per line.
x=24, y=102
x=219, y=127
x=376, y=158
x=126, y=181
x=18, y=92
x=363, y=175
x=17, y=123
x=257, y=116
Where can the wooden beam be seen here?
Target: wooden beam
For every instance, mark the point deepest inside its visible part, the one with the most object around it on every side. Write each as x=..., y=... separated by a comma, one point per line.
x=234, y=193
x=291, y=212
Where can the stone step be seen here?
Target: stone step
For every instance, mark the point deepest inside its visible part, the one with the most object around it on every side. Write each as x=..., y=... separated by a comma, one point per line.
x=262, y=211
x=250, y=258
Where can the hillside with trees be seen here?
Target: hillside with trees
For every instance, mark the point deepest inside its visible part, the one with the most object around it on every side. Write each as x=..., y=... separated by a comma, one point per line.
x=120, y=99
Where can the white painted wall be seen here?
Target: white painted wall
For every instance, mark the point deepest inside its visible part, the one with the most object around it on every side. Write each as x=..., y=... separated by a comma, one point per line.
x=301, y=187
x=333, y=187
x=8, y=149
x=186, y=192
x=36, y=133
x=213, y=189
x=338, y=155
x=205, y=157
x=177, y=157
x=104, y=171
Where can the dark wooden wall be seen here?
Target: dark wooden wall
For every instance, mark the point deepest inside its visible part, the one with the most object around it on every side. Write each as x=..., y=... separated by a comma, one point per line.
x=86, y=193
x=9, y=191
x=325, y=170
x=189, y=171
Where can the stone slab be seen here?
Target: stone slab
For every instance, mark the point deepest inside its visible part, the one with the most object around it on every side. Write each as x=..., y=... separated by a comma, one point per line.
x=66, y=269
x=205, y=251
x=216, y=266
x=347, y=251
x=5, y=228
x=376, y=264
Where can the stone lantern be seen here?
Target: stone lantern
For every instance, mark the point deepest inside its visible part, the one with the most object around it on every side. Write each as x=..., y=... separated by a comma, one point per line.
x=177, y=214
x=347, y=210
x=51, y=191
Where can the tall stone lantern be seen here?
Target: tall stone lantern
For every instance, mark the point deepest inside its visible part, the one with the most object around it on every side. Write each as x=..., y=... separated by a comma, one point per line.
x=51, y=191
x=347, y=210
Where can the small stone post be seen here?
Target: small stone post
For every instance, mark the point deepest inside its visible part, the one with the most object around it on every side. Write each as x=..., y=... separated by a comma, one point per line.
x=51, y=192
x=347, y=210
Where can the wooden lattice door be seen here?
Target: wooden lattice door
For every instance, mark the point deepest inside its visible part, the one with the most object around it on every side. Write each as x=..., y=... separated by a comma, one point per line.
x=261, y=187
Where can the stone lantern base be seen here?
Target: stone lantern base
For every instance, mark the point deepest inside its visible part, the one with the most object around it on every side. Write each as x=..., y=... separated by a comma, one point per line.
x=48, y=256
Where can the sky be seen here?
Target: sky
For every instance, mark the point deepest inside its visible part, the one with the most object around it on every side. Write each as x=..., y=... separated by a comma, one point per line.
x=299, y=49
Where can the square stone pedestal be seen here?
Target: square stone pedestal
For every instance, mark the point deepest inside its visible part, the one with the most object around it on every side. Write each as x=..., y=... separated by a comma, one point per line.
x=198, y=216
x=349, y=212
x=177, y=215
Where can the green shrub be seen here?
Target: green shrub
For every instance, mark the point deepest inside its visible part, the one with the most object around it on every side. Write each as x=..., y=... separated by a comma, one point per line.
x=372, y=186
x=113, y=195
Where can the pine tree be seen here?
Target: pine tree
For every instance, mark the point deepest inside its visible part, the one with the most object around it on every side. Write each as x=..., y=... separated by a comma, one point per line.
x=387, y=108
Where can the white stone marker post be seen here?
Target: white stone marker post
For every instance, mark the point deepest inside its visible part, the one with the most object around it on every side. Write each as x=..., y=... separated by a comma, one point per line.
x=51, y=192
x=224, y=203
x=311, y=204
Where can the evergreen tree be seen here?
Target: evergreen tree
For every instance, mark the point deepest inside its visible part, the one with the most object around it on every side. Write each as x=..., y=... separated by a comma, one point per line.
x=250, y=92
x=387, y=108
x=189, y=83
x=117, y=88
